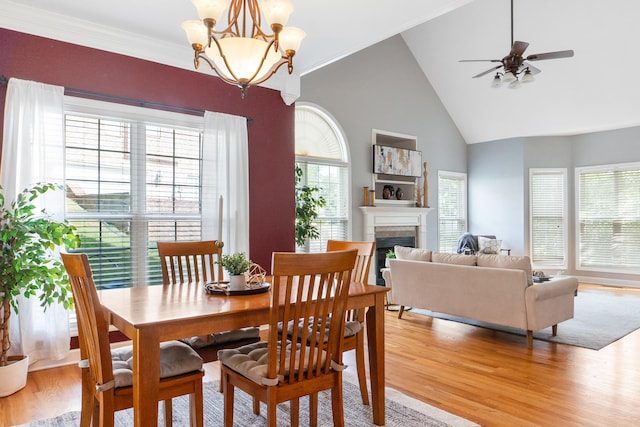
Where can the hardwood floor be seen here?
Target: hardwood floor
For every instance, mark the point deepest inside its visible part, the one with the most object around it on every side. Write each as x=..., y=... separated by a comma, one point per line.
x=485, y=376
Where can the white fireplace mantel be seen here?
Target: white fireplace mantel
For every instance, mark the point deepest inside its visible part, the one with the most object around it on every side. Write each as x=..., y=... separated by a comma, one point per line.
x=388, y=216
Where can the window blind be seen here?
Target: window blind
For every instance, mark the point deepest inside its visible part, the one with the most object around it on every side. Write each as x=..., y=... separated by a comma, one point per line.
x=321, y=153
x=452, y=209
x=548, y=217
x=609, y=218
x=129, y=184
x=332, y=221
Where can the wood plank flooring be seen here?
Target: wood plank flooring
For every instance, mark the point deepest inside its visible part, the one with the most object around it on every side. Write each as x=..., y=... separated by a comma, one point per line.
x=486, y=376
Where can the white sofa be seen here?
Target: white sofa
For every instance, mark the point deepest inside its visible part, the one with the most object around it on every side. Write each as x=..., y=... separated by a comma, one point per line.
x=495, y=289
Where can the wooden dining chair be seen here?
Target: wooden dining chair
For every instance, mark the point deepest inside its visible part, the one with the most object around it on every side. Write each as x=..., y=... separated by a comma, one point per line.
x=354, y=326
x=195, y=262
x=107, y=374
x=306, y=287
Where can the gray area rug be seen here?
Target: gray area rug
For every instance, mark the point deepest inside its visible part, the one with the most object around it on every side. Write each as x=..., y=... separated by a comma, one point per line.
x=600, y=318
x=401, y=411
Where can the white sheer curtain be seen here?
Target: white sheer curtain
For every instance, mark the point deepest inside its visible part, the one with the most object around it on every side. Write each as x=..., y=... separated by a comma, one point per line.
x=33, y=151
x=226, y=173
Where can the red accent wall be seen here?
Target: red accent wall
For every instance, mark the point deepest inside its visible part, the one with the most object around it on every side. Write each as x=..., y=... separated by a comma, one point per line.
x=271, y=133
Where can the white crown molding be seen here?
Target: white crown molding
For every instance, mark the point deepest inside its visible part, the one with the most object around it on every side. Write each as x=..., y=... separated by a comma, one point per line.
x=51, y=25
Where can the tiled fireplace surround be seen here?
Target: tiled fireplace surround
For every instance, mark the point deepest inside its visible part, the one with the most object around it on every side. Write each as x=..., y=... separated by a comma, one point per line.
x=389, y=226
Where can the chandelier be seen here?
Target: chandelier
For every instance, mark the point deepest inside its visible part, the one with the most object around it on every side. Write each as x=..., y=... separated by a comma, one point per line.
x=241, y=52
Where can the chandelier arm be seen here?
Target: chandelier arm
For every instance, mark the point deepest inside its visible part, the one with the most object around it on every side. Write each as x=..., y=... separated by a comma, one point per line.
x=264, y=57
x=274, y=69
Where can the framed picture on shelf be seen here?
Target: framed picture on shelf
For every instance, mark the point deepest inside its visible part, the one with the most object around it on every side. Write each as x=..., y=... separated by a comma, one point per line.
x=396, y=161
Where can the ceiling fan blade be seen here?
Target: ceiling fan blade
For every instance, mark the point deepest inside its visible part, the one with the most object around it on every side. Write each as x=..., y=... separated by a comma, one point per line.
x=531, y=68
x=490, y=70
x=480, y=60
x=550, y=55
x=518, y=48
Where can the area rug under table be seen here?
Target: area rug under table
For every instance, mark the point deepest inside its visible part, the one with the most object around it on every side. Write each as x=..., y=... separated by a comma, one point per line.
x=600, y=318
x=401, y=411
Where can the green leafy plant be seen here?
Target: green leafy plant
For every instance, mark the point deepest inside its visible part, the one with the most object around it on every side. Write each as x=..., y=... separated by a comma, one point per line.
x=235, y=264
x=391, y=254
x=307, y=203
x=28, y=264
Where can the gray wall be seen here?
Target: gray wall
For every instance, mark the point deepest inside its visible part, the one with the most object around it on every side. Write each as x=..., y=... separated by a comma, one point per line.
x=499, y=173
x=382, y=87
x=495, y=183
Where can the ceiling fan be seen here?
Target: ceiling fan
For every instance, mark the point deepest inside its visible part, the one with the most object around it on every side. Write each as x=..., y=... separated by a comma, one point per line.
x=516, y=65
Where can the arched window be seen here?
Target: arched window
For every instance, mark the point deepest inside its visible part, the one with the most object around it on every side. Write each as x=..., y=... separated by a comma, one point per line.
x=323, y=156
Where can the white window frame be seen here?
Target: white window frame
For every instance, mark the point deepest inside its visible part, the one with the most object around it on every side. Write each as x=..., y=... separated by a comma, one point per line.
x=442, y=174
x=600, y=168
x=565, y=237
x=122, y=112
x=333, y=123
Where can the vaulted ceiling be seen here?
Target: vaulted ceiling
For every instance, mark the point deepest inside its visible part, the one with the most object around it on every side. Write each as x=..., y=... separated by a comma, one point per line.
x=595, y=90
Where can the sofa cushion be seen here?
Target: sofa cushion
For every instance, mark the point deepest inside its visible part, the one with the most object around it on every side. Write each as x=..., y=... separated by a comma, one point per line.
x=412, y=254
x=447, y=258
x=488, y=246
x=506, y=261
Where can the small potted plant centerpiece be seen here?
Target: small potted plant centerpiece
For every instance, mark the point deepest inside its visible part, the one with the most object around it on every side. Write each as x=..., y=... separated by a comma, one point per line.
x=237, y=265
x=29, y=267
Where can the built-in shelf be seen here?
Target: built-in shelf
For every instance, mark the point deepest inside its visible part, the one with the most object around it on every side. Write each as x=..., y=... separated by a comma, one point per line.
x=408, y=184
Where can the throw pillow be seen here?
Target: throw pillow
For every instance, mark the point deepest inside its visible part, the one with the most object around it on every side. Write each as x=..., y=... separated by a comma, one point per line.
x=458, y=259
x=488, y=246
x=412, y=254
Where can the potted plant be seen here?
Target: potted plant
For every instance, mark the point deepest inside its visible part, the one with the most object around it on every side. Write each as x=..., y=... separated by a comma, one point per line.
x=237, y=265
x=307, y=203
x=29, y=267
x=389, y=255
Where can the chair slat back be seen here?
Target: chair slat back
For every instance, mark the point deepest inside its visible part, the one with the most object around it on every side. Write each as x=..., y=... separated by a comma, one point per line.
x=189, y=262
x=360, y=271
x=310, y=293
x=365, y=250
x=93, y=328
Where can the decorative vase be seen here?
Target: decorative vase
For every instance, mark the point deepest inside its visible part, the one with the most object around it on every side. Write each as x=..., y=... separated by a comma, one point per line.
x=238, y=282
x=14, y=375
x=399, y=194
x=387, y=192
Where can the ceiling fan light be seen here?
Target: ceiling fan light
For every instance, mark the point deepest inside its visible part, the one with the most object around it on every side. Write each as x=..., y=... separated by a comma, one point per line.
x=528, y=77
x=515, y=84
x=496, y=82
x=508, y=77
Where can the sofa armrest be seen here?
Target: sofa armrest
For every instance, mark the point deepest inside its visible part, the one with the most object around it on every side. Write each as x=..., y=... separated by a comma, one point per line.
x=549, y=303
x=552, y=289
x=386, y=275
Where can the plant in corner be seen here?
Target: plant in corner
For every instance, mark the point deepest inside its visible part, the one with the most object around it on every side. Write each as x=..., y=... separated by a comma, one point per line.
x=28, y=265
x=307, y=204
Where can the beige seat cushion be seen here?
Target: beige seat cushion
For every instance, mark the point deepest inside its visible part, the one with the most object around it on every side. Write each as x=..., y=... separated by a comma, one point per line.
x=507, y=261
x=220, y=338
x=458, y=259
x=412, y=254
x=251, y=361
x=176, y=358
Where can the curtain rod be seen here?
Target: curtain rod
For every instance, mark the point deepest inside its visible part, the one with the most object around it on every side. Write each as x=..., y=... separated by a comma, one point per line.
x=4, y=80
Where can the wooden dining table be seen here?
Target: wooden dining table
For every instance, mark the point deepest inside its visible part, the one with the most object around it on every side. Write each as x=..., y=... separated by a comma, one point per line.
x=152, y=314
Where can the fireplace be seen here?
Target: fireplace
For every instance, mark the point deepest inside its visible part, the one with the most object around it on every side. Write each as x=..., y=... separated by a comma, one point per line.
x=390, y=226
x=383, y=244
